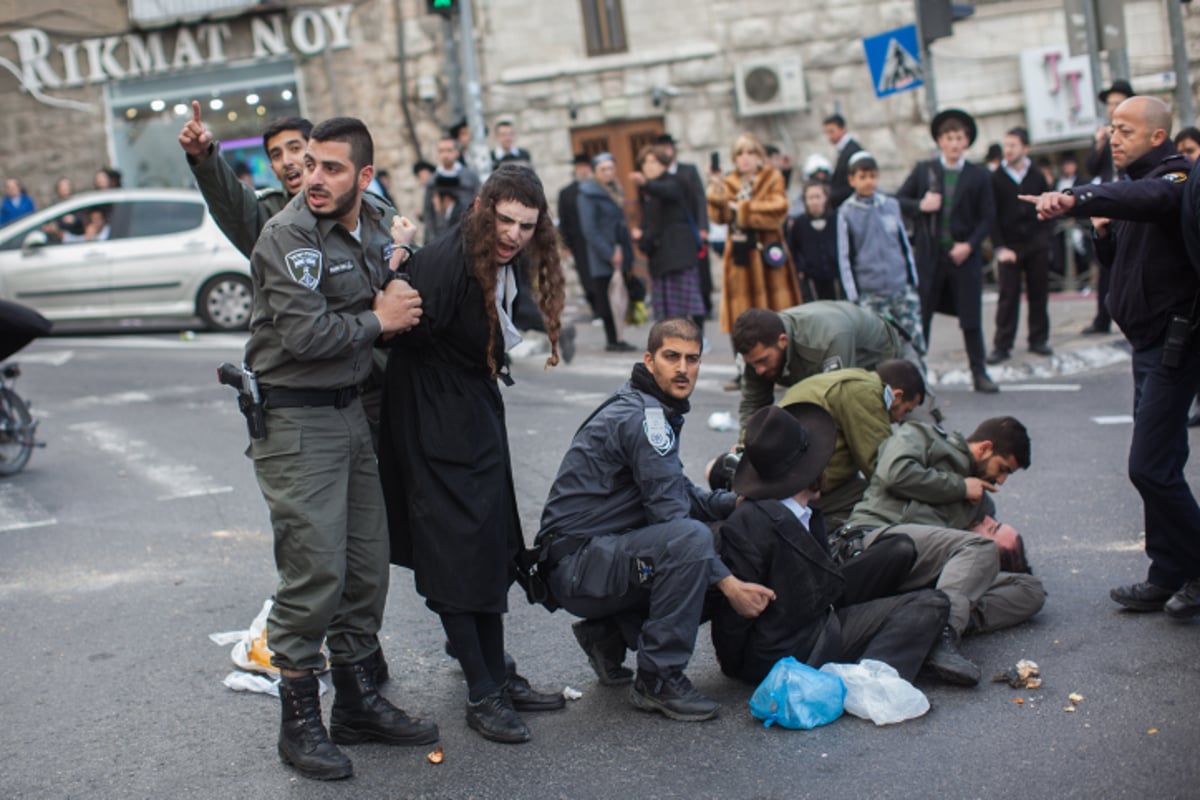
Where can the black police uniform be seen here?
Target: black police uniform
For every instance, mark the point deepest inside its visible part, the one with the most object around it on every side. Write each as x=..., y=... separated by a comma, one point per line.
x=1152, y=280
x=647, y=560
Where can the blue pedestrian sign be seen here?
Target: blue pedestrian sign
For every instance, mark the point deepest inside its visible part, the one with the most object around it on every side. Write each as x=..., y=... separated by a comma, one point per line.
x=895, y=61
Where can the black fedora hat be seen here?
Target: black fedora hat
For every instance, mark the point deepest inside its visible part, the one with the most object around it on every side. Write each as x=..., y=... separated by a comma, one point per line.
x=786, y=451
x=665, y=138
x=954, y=113
x=1120, y=86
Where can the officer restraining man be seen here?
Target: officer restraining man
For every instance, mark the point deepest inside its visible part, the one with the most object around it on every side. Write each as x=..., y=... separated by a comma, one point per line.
x=1154, y=297
x=622, y=536
x=318, y=269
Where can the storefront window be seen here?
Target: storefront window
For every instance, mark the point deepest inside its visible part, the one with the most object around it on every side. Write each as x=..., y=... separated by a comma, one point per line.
x=236, y=104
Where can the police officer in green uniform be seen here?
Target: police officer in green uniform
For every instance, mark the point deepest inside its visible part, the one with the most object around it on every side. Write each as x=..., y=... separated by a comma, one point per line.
x=864, y=405
x=318, y=269
x=785, y=347
x=239, y=211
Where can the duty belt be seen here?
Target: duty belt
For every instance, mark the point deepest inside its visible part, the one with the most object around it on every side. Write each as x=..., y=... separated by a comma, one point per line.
x=280, y=397
x=556, y=547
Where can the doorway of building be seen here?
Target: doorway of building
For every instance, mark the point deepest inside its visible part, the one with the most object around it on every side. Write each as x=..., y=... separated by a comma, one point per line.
x=623, y=138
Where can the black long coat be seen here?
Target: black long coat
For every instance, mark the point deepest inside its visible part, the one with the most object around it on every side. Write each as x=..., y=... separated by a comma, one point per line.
x=668, y=238
x=444, y=458
x=763, y=542
x=970, y=221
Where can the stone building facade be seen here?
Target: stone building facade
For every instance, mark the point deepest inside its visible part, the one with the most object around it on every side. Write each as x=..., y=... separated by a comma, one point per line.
x=86, y=85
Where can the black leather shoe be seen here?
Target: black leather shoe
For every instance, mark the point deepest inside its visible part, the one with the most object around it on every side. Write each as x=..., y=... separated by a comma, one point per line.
x=1041, y=349
x=999, y=356
x=984, y=383
x=672, y=696
x=1185, y=603
x=496, y=719
x=1144, y=596
x=303, y=742
x=361, y=713
x=566, y=343
x=601, y=640
x=619, y=347
x=525, y=698
x=1094, y=330
x=947, y=662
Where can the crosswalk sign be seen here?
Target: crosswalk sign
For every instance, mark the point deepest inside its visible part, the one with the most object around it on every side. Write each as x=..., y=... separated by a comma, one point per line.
x=895, y=61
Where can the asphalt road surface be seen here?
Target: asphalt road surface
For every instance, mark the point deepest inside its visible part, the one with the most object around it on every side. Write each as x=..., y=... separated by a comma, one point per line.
x=139, y=530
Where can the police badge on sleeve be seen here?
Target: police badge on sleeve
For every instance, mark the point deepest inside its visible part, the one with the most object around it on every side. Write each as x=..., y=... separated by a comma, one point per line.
x=660, y=435
x=305, y=267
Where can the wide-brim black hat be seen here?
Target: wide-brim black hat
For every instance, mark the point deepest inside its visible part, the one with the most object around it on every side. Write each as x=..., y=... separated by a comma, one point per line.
x=954, y=113
x=1120, y=87
x=665, y=138
x=786, y=449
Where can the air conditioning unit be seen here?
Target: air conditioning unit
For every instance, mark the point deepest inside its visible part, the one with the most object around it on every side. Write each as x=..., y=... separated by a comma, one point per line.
x=769, y=85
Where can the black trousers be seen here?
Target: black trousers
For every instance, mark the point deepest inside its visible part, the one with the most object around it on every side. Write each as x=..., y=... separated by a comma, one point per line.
x=1033, y=263
x=603, y=309
x=18, y=327
x=1157, y=457
x=898, y=630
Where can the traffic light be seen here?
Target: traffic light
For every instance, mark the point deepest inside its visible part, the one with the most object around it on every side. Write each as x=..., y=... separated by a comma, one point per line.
x=935, y=18
x=446, y=8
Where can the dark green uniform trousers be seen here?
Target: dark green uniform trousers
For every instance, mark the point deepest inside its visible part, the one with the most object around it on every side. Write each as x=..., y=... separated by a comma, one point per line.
x=318, y=474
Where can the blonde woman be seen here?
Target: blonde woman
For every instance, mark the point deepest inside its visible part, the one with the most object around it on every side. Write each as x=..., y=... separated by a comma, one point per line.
x=757, y=270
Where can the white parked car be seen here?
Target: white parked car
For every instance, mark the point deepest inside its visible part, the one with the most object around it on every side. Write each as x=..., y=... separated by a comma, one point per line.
x=144, y=253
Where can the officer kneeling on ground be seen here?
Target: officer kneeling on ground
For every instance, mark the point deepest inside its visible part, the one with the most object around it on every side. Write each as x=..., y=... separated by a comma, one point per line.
x=622, y=538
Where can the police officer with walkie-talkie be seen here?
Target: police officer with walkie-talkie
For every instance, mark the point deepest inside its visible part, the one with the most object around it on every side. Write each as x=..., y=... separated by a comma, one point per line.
x=1155, y=299
x=319, y=269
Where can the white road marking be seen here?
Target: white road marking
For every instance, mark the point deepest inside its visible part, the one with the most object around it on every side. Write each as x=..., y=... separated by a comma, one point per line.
x=53, y=358
x=179, y=480
x=19, y=511
x=1042, y=387
x=1115, y=419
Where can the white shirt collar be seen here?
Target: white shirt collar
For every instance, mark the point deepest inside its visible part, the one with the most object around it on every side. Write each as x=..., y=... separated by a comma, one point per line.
x=506, y=292
x=957, y=167
x=1019, y=172
x=842, y=142
x=802, y=513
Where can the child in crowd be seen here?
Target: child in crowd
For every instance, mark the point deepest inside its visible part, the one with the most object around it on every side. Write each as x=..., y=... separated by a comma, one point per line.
x=812, y=238
x=874, y=256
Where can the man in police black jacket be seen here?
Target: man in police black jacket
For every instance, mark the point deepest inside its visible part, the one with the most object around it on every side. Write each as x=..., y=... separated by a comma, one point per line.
x=1153, y=298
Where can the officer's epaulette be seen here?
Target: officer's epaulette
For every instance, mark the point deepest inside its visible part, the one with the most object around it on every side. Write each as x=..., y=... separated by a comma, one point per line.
x=378, y=201
x=268, y=192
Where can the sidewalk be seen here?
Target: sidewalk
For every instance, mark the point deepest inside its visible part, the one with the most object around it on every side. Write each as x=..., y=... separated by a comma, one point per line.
x=1070, y=313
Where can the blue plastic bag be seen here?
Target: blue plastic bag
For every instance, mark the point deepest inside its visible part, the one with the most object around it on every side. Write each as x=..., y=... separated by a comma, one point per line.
x=795, y=695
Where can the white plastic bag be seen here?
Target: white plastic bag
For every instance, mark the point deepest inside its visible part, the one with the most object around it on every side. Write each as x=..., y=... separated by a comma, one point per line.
x=875, y=691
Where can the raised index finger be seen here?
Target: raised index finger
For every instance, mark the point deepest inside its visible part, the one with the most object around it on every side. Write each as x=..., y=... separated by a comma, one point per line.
x=196, y=111
x=1029, y=198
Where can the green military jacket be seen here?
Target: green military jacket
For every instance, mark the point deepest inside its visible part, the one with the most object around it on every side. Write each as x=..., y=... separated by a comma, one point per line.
x=239, y=211
x=817, y=332
x=312, y=326
x=855, y=399
x=921, y=477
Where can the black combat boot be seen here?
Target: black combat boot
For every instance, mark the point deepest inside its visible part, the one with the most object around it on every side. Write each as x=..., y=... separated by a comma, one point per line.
x=673, y=696
x=378, y=666
x=604, y=645
x=947, y=662
x=303, y=742
x=361, y=714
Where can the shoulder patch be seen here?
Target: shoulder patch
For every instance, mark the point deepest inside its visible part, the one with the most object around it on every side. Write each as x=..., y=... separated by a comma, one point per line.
x=1175, y=177
x=305, y=266
x=660, y=435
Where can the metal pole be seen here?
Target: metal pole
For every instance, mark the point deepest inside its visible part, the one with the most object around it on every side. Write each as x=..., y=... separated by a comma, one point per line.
x=1183, y=74
x=927, y=72
x=454, y=82
x=1093, y=45
x=478, y=157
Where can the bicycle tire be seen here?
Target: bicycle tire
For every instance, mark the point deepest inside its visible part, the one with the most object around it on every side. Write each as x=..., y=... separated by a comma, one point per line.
x=16, y=432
